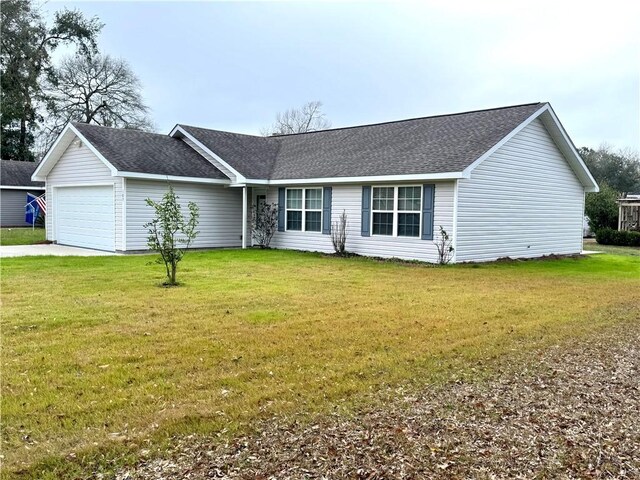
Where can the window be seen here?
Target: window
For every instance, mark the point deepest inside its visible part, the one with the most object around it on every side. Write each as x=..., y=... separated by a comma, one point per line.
x=304, y=209
x=383, y=210
x=396, y=211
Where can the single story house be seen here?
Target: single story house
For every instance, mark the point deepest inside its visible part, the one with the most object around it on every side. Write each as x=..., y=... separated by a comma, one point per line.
x=15, y=183
x=503, y=182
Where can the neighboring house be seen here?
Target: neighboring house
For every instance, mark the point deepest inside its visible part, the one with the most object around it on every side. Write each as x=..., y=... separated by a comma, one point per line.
x=15, y=183
x=504, y=182
x=629, y=212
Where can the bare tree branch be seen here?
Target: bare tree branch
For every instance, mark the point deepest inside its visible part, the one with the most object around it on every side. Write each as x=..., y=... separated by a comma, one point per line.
x=308, y=118
x=96, y=89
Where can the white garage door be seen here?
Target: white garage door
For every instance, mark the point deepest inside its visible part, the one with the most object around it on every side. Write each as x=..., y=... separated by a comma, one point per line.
x=85, y=217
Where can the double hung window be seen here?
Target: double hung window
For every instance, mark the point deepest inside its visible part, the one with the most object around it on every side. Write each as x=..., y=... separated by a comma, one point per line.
x=304, y=209
x=396, y=211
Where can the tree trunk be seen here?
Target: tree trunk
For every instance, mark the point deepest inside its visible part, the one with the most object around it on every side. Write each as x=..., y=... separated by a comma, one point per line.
x=174, y=267
x=22, y=148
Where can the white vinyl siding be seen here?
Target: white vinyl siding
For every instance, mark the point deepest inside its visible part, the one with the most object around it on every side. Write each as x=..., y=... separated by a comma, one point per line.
x=220, y=212
x=78, y=165
x=12, y=206
x=349, y=199
x=522, y=201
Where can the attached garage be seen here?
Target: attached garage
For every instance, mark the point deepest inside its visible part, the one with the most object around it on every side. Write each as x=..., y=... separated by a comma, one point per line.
x=85, y=216
x=98, y=180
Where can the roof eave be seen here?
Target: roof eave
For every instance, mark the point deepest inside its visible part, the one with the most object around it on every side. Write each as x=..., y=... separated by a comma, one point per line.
x=22, y=187
x=560, y=137
x=172, y=178
x=357, y=179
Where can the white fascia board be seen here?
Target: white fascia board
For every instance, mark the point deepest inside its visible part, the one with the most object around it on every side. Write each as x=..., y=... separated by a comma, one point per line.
x=36, y=176
x=11, y=187
x=53, y=155
x=172, y=178
x=254, y=181
x=591, y=187
x=594, y=185
x=358, y=180
x=467, y=171
x=178, y=129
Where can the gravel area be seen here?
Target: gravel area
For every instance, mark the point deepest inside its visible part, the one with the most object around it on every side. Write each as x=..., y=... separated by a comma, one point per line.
x=573, y=413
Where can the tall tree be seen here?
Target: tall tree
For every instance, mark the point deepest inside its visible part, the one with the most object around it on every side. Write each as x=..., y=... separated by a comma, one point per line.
x=96, y=89
x=616, y=173
x=619, y=170
x=308, y=118
x=25, y=56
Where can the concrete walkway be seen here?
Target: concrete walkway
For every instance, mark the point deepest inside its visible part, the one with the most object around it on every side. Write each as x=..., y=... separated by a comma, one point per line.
x=50, y=249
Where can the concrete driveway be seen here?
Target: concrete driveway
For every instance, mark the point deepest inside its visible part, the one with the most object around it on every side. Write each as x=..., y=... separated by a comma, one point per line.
x=49, y=249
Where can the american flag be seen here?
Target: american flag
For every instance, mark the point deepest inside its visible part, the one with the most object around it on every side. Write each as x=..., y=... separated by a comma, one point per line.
x=42, y=203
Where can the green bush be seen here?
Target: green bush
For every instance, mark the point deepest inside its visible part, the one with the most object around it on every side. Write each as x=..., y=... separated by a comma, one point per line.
x=602, y=208
x=609, y=236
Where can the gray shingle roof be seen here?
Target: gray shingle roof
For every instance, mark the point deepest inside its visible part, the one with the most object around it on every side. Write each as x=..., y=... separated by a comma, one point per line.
x=143, y=152
x=251, y=155
x=18, y=174
x=439, y=144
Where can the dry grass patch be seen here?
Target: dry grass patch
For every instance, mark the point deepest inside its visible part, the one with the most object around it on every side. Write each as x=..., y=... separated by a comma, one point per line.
x=101, y=361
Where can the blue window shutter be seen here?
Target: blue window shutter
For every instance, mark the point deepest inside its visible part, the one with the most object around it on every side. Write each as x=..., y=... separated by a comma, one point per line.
x=366, y=211
x=281, y=210
x=326, y=211
x=428, y=200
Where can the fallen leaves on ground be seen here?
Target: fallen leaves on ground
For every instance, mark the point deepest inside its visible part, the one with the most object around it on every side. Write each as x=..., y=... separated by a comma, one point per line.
x=569, y=412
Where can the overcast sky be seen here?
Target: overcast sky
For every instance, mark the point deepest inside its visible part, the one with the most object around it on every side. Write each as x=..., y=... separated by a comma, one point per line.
x=232, y=66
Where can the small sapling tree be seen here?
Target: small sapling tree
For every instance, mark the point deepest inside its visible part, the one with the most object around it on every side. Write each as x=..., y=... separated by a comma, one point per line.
x=264, y=223
x=169, y=233
x=339, y=234
x=445, y=247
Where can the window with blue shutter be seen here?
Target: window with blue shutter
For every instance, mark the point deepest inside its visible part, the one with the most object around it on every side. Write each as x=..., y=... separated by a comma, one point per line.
x=428, y=200
x=326, y=211
x=281, y=209
x=365, y=230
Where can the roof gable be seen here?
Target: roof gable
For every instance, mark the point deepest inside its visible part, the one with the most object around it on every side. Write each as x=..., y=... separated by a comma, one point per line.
x=249, y=156
x=129, y=152
x=142, y=152
x=561, y=139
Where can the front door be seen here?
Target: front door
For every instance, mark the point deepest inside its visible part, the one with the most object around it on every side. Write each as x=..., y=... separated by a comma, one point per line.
x=261, y=201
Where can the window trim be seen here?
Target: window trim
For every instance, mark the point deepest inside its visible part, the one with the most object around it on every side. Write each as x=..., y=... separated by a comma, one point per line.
x=304, y=210
x=396, y=211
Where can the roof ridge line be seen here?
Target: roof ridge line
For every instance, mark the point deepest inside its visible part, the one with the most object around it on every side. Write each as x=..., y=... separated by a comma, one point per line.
x=184, y=125
x=371, y=124
x=91, y=125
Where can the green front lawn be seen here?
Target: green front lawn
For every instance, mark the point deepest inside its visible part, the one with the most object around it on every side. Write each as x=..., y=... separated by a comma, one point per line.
x=21, y=236
x=100, y=363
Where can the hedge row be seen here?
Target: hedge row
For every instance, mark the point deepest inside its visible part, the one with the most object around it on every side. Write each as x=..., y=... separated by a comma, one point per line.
x=609, y=236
